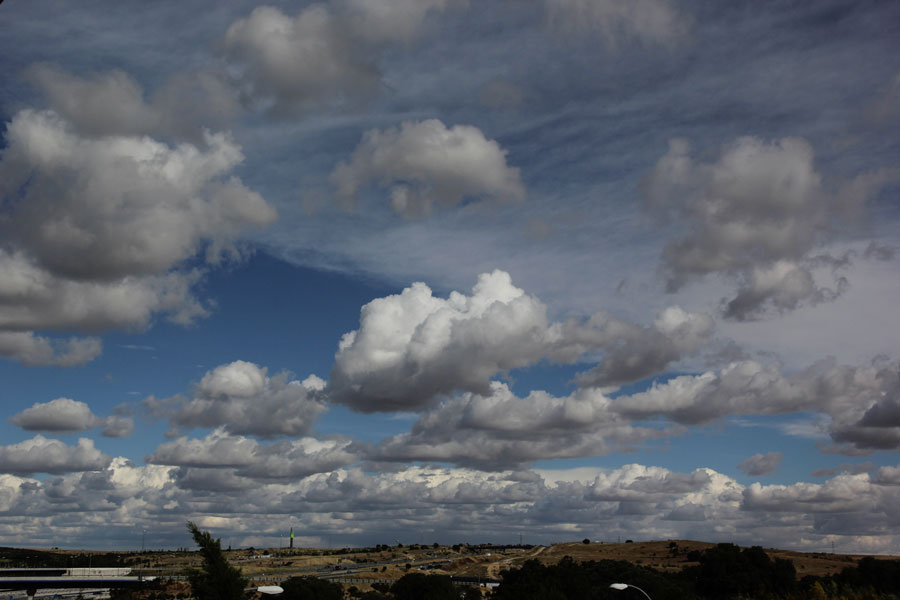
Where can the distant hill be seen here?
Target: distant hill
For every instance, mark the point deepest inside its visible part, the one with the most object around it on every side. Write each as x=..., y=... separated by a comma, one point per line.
x=661, y=555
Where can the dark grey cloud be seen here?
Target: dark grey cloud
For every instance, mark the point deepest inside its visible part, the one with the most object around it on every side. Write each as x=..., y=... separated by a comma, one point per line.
x=853, y=469
x=863, y=440
x=325, y=55
x=211, y=480
x=639, y=484
x=287, y=61
x=234, y=459
x=764, y=389
x=95, y=230
x=215, y=450
x=884, y=108
x=880, y=251
x=687, y=512
x=501, y=94
x=112, y=199
x=758, y=213
x=887, y=476
x=37, y=350
x=113, y=102
x=761, y=464
x=634, y=353
x=116, y=426
x=648, y=21
x=879, y=425
x=500, y=431
x=64, y=415
x=885, y=413
x=292, y=460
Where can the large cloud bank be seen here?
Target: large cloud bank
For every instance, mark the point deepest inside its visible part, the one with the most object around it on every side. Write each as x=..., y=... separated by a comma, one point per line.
x=453, y=505
x=96, y=231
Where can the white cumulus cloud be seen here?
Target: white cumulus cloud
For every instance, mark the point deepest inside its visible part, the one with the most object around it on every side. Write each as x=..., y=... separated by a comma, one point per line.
x=45, y=455
x=241, y=397
x=412, y=347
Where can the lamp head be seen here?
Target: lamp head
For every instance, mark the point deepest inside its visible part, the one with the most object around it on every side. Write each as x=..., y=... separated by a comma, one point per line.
x=270, y=589
x=618, y=586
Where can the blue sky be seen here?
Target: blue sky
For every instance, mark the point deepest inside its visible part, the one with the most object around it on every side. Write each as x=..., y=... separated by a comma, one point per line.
x=450, y=270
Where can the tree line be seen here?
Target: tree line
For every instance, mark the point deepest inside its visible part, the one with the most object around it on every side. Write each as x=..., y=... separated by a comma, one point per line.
x=724, y=572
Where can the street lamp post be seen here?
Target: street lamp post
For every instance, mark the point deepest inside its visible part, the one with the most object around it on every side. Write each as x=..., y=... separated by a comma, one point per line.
x=622, y=586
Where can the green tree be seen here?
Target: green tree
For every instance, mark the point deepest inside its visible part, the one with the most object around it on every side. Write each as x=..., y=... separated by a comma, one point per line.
x=726, y=571
x=472, y=593
x=418, y=586
x=216, y=579
x=816, y=592
x=569, y=580
x=310, y=588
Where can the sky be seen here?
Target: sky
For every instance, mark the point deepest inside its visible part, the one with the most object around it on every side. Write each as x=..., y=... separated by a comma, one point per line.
x=450, y=271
